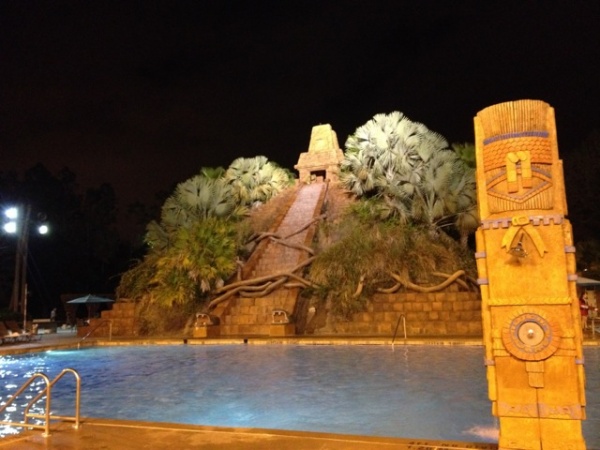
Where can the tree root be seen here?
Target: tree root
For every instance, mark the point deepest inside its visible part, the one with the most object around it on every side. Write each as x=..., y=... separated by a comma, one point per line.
x=264, y=235
x=457, y=280
x=270, y=288
x=269, y=234
x=308, y=250
x=415, y=287
x=247, y=288
x=359, y=287
x=390, y=290
x=300, y=230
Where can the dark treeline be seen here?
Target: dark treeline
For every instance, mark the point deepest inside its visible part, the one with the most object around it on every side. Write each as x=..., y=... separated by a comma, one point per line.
x=83, y=253
x=582, y=180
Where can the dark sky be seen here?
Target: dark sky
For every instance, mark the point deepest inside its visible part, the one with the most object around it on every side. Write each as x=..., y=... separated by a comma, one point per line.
x=141, y=94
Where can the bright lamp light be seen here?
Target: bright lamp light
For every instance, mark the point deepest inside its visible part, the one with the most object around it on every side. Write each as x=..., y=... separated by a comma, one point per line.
x=12, y=213
x=10, y=227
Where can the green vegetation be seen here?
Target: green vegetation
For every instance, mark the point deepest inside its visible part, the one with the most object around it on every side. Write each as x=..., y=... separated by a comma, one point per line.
x=366, y=250
x=413, y=193
x=466, y=152
x=195, y=246
x=413, y=173
x=255, y=180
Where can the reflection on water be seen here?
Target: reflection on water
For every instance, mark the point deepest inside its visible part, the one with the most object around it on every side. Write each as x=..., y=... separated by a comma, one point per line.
x=490, y=434
x=412, y=391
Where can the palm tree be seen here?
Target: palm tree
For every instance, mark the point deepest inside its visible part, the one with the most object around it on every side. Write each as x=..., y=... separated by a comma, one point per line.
x=466, y=152
x=193, y=248
x=212, y=172
x=413, y=171
x=256, y=180
x=447, y=196
x=194, y=200
x=385, y=148
x=200, y=259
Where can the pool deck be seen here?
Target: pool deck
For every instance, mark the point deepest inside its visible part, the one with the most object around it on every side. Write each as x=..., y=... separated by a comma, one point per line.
x=106, y=434
x=97, y=434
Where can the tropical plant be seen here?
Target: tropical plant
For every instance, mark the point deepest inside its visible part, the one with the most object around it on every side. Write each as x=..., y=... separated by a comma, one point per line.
x=212, y=172
x=466, y=152
x=201, y=257
x=256, y=180
x=135, y=282
x=195, y=246
x=414, y=173
x=367, y=250
x=196, y=199
x=447, y=196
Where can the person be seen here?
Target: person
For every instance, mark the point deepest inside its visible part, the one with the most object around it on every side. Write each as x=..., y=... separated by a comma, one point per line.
x=584, y=309
x=53, y=315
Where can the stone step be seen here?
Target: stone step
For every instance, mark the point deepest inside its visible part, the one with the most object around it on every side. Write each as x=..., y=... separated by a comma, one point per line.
x=245, y=330
x=253, y=316
x=246, y=319
x=278, y=257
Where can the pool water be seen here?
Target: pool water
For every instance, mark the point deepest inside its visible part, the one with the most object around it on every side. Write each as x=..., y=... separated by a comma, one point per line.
x=410, y=391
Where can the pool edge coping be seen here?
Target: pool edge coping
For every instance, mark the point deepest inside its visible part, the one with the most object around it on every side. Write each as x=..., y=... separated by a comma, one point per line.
x=41, y=346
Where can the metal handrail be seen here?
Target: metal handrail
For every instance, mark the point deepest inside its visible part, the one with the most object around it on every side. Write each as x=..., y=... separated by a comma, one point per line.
x=48, y=392
x=403, y=318
x=102, y=322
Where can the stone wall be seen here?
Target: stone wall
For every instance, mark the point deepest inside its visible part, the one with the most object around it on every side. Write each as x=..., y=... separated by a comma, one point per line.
x=254, y=316
x=121, y=318
x=449, y=313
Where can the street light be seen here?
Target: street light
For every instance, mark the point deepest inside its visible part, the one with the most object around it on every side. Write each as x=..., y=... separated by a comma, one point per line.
x=20, y=225
x=12, y=214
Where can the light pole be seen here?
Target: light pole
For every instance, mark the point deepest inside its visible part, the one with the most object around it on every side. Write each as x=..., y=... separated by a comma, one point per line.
x=19, y=224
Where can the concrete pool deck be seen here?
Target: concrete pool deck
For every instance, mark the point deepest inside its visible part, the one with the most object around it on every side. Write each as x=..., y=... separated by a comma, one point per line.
x=105, y=434
x=101, y=434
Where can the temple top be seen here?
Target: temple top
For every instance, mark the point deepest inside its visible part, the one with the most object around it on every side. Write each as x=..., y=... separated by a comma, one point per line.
x=323, y=157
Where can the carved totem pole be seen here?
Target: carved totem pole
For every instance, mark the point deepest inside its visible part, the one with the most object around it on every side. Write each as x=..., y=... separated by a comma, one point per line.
x=526, y=264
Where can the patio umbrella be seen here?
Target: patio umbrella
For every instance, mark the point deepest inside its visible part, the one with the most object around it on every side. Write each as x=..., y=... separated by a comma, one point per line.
x=91, y=301
x=587, y=282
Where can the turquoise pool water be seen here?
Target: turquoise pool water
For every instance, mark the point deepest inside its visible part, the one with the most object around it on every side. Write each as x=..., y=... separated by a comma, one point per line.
x=411, y=391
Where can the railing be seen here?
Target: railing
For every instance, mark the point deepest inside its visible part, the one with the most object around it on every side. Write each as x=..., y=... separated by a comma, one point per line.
x=48, y=392
x=403, y=318
x=103, y=322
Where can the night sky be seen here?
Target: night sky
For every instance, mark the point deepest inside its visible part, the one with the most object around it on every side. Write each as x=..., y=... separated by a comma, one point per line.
x=142, y=94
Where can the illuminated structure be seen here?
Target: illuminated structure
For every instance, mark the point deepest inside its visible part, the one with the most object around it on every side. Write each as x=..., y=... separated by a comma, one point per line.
x=18, y=222
x=526, y=263
x=323, y=156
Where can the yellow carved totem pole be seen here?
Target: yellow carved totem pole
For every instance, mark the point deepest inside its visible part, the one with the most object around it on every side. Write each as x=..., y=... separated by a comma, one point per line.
x=526, y=264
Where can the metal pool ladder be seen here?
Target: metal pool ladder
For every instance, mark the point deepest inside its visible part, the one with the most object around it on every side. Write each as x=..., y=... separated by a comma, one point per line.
x=48, y=392
x=402, y=318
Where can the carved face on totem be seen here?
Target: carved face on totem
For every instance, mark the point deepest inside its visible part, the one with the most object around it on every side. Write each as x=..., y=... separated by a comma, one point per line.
x=518, y=171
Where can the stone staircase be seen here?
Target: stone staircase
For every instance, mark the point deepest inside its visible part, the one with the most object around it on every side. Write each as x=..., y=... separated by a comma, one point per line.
x=242, y=316
x=117, y=321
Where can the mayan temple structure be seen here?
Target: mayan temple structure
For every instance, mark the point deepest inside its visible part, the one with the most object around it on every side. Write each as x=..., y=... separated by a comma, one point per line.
x=526, y=263
x=323, y=157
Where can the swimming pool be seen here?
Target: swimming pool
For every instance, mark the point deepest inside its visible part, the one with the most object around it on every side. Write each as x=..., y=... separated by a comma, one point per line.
x=429, y=392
